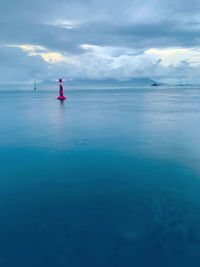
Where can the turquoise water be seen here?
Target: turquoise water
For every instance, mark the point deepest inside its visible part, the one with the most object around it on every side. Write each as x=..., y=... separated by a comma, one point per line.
x=107, y=178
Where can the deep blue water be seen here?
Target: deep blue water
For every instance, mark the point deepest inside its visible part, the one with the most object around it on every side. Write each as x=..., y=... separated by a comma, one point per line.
x=108, y=178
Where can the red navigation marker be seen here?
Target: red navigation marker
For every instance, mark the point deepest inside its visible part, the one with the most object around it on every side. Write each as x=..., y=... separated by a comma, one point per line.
x=61, y=96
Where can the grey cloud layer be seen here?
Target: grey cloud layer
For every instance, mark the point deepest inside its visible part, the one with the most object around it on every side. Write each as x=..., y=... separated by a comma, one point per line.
x=126, y=24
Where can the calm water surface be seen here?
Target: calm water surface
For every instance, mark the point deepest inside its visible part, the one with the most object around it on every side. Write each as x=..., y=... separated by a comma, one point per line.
x=107, y=178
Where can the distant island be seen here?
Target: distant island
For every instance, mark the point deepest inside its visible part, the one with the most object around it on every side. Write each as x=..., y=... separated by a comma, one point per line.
x=106, y=83
x=155, y=84
x=85, y=84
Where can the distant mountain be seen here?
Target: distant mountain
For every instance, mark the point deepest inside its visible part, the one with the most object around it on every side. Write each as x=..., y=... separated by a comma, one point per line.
x=185, y=84
x=82, y=84
x=108, y=83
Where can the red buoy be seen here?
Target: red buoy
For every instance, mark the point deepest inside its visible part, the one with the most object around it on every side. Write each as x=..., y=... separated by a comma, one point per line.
x=61, y=96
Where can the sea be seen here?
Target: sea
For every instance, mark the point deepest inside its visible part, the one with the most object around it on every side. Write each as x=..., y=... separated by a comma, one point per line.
x=109, y=177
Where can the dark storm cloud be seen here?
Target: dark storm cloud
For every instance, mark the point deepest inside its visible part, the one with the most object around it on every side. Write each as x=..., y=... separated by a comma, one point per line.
x=46, y=35
x=101, y=23
x=135, y=36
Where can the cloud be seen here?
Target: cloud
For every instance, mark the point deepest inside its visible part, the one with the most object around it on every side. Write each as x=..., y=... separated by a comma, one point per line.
x=165, y=65
x=16, y=67
x=100, y=39
x=65, y=24
x=173, y=56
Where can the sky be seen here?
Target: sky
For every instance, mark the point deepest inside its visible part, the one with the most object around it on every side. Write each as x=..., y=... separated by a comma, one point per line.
x=97, y=39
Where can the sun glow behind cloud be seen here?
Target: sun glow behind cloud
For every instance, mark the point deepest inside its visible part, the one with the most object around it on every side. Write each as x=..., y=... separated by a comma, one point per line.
x=36, y=50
